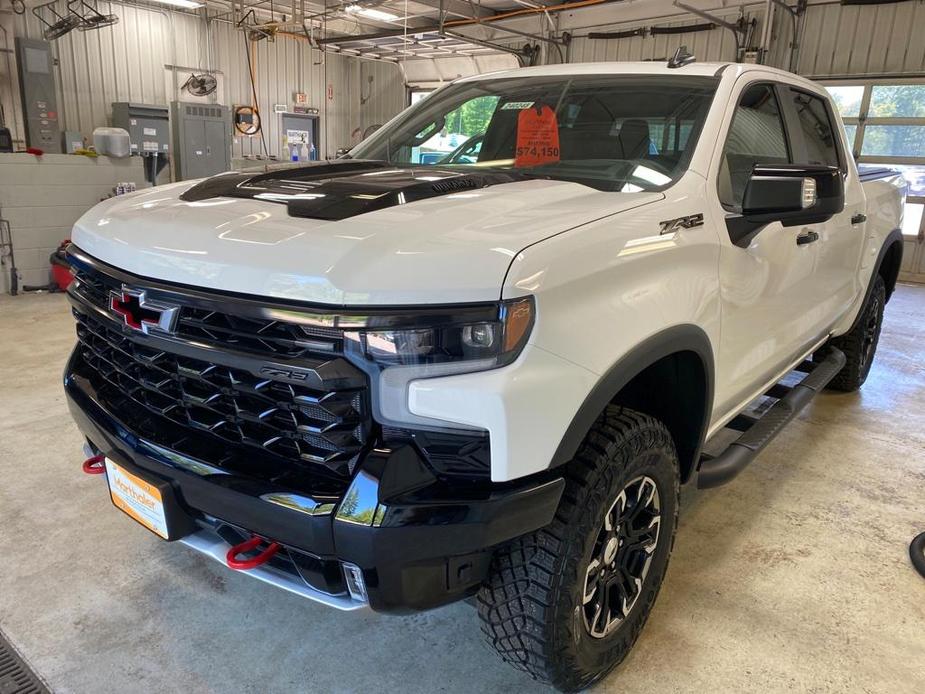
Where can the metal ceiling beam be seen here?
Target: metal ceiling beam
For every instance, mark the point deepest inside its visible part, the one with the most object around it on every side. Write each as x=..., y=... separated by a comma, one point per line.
x=521, y=59
x=460, y=8
x=335, y=9
x=734, y=28
x=525, y=34
x=492, y=22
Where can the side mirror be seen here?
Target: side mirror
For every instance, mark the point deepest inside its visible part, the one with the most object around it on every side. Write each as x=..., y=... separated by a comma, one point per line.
x=793, y=194
x=342, y=152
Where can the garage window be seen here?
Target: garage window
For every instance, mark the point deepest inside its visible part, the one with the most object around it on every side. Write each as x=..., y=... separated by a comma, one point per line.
x=885, y=124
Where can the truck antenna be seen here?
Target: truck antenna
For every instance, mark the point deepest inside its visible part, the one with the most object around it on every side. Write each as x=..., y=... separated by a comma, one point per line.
x=681, y=58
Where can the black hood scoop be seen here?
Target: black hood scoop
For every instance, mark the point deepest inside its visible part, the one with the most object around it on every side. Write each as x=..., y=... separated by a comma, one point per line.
x=345, y=188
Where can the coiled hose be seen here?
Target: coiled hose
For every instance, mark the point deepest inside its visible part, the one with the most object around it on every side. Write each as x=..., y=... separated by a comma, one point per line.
x=917, y=554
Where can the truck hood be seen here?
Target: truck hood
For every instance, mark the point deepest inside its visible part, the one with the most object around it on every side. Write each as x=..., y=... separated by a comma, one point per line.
x=455, y=247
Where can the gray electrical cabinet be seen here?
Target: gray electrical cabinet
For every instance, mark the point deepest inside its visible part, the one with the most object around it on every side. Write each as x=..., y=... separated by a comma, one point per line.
x=201, y=139
x=148, y=126
x=37, y=89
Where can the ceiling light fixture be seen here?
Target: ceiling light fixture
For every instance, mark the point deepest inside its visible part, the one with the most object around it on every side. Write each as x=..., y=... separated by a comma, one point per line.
x=185, y=4
x=370, y=13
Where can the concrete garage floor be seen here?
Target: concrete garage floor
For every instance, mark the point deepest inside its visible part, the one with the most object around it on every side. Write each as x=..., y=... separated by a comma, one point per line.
x=793, y=578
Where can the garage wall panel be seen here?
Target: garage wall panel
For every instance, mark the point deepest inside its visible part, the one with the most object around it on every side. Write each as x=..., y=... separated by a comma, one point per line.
x=41, y=198
x=836, y=40
x=860, y=40
x=714, y=45
x=126, y=62
x=380, y=99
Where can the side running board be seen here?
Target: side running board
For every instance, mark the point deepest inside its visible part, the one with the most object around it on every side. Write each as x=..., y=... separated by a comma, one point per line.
x=757, y=432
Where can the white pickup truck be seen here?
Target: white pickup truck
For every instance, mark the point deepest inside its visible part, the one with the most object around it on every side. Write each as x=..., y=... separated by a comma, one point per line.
x=376, y=382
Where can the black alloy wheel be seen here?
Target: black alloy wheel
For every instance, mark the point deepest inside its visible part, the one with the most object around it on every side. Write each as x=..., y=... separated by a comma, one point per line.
x=621, y=557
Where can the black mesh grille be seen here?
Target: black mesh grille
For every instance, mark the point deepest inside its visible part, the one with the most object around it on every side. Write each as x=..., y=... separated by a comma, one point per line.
x=328, y=426
x=260, y=336
x=256, y=336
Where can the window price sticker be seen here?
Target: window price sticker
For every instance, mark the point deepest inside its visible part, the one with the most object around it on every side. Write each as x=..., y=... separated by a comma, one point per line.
x=537, y=137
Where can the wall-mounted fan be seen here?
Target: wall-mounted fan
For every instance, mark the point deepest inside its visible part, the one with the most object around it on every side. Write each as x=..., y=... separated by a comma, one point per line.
x=200, y=85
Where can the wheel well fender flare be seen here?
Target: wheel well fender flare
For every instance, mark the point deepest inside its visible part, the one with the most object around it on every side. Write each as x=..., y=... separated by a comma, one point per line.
x=891, y=252
x=672, y=341
x=891, y=248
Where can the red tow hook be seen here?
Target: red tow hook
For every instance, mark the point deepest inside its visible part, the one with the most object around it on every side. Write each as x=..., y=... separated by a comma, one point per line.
x=95, y=465
x=240, y=564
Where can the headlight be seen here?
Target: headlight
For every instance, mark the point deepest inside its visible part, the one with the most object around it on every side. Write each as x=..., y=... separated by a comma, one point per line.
x=496, y=334
x=397, y=347
x=435, y=342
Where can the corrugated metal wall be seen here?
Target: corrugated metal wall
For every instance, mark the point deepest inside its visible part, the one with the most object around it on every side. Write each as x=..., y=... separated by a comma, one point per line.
x=836, y=40
x=291, y=65
x=126, y=62
x=861, y=40
x=716, y=44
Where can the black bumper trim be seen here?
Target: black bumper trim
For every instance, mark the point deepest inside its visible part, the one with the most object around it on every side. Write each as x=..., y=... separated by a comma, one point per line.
x=426, y=542
x=221, y=496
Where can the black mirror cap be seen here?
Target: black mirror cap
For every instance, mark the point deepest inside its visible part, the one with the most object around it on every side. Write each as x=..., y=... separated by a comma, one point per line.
x=775, y=193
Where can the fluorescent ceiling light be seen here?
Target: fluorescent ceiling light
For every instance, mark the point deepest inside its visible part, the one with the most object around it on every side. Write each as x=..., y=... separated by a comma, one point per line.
x=185, y=4
x=370, y=13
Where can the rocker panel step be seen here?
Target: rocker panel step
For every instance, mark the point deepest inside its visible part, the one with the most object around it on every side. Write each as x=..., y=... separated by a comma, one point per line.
x=723, y=468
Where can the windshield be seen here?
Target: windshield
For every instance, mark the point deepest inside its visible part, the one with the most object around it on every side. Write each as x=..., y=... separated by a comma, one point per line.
x=624, y=133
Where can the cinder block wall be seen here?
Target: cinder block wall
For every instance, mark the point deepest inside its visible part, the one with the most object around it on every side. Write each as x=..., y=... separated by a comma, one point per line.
x=42, y=197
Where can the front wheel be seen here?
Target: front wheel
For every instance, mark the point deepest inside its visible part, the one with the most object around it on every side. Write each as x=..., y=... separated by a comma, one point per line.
x=567, y=603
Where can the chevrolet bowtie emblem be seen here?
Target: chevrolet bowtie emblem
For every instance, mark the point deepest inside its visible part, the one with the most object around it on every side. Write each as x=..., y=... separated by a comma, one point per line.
x=140, y=313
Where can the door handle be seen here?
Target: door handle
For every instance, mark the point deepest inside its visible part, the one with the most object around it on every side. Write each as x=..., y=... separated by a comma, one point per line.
x=807, y=237
x=859, y=218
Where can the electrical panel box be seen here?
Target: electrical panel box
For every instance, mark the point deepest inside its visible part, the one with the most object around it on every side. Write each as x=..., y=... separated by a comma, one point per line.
x=201, y=139
x=148, y=126
x=38, y=93
x=71, y=141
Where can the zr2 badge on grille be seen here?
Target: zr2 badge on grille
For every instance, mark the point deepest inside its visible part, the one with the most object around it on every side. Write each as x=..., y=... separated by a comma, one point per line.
x=140, y=313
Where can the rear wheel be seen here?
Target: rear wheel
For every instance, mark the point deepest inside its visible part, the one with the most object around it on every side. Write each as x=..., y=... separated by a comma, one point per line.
x=860, y=345
x=567, y=603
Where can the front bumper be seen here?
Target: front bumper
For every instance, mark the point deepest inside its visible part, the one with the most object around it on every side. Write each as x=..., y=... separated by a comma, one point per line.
x=418, y=541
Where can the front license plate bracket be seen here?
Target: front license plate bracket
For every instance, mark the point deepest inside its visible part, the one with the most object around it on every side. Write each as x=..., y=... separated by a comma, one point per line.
x=150, y=501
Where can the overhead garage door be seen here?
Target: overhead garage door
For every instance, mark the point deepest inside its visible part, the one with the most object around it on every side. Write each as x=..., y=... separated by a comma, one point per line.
x=885, y=120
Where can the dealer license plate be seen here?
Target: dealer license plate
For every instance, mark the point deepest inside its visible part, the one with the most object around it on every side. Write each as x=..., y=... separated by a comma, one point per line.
x=137, y=498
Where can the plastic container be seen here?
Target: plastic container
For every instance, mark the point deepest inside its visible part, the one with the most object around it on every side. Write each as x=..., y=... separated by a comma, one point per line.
x=112, y=142
x=61, y=271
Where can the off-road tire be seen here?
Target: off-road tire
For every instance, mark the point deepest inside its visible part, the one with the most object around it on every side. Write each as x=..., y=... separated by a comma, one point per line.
x=860, y=345
x=531, y=606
